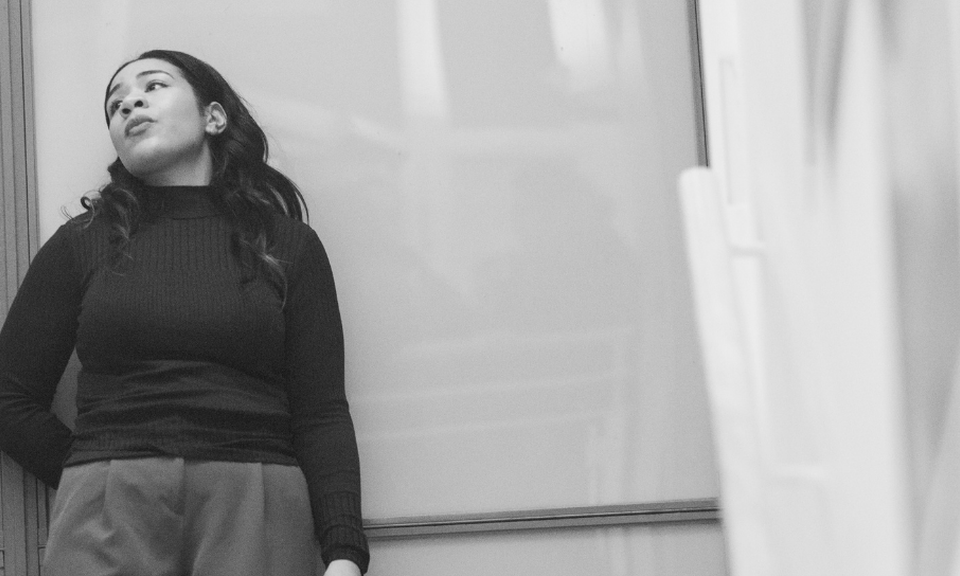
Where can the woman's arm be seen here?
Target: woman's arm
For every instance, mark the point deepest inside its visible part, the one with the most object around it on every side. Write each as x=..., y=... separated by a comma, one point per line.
x=324, y=436
x=36, y=341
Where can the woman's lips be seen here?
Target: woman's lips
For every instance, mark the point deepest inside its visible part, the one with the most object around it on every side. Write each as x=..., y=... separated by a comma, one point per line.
x=137, y=126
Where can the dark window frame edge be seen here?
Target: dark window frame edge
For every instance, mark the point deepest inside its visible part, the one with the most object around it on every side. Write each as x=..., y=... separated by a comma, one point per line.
x=702, y=510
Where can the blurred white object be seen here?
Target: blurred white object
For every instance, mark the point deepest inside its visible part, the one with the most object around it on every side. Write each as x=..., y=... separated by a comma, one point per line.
x=801, y=274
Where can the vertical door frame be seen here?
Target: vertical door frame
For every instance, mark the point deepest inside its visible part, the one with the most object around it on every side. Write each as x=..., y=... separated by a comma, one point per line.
x=19, y=492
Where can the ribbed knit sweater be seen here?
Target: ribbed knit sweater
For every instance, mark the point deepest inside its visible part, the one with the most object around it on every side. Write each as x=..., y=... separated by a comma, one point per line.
x=185, y=354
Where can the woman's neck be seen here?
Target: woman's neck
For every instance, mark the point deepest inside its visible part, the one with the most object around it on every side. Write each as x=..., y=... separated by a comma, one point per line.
x=196, y=172
x=180, y=201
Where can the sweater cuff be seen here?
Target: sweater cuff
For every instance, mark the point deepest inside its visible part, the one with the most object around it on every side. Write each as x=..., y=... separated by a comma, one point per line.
x=341, y=530
x=359, y=556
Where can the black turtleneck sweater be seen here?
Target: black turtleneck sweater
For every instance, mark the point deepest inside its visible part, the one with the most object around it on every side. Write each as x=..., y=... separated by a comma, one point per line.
x=184, y=354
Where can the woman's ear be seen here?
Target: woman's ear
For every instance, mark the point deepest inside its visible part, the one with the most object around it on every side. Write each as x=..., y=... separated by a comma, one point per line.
x=216, y=119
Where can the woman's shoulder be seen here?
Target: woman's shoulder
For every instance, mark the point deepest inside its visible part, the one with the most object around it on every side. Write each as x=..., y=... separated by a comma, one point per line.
x=289, y=225
x=297, y=242
x=293, y=234
x=69, y=245
x=84, y=226
x=81, y=238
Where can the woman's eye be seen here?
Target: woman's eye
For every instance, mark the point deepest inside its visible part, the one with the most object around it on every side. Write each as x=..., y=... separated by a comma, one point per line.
x=113, y=107
x=154, y=84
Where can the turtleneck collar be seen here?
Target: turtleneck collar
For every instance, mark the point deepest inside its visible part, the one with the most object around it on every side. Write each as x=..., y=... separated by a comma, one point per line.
x=181, y=202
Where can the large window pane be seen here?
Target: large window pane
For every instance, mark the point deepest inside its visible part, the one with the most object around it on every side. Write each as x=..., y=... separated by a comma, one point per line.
x=496, y=185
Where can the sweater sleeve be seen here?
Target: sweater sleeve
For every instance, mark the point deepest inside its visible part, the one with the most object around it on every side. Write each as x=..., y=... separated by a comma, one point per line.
x=36, y=341
x=324, y=437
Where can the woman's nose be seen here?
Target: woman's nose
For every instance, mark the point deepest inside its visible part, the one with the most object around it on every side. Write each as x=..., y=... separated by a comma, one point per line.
x=132, y=102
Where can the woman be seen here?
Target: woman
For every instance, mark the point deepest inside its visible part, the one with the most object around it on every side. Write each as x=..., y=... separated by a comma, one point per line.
x=213, y=435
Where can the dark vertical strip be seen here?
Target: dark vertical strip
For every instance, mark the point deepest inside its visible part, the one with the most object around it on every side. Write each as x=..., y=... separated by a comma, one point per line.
x=26, y=153
x=8, y=236
x=7, y=212
x=696, y=66
x=33, y=492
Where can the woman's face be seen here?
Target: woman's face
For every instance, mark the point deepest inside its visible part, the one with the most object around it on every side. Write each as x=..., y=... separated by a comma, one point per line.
x=157, y=126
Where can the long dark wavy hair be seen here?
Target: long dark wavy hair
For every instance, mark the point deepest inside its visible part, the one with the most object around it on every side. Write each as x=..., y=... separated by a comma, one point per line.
x=249, y=190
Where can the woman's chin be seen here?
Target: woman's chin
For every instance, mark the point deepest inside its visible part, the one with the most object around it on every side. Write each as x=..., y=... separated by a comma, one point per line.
x=140, y=167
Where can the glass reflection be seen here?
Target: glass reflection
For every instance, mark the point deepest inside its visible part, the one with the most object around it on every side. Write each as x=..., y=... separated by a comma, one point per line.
x=421, y=59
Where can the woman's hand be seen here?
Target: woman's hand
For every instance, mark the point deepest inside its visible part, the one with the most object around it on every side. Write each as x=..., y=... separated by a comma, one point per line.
x=342, y=568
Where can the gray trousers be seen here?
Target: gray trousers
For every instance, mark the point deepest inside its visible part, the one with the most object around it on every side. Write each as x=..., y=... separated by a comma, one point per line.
x=170, y=517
